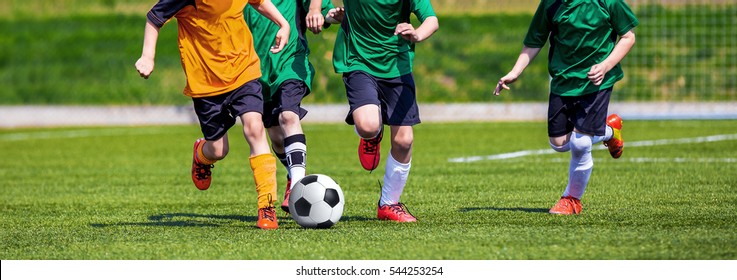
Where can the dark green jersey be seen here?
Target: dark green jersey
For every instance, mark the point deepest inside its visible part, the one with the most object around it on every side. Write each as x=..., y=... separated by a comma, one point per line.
x=366, y=40
x=292, y=62
x=582, y=33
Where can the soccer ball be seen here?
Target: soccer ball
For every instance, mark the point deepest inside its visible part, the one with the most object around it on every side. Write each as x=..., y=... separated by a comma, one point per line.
x=316, y=201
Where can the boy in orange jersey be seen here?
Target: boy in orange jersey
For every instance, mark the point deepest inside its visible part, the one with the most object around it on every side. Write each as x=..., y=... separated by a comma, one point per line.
x=222, y=70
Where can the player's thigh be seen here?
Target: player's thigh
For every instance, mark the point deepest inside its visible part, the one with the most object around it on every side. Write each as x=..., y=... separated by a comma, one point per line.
x=290, y=94
x=560, y=114
x=399, y=101
x=591, y=112
x=362, y=93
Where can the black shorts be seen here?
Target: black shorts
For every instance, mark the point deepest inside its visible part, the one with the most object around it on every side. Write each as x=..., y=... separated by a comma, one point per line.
x=396, y=97
x=586, y=113
x=288, y=97
x=218, y=113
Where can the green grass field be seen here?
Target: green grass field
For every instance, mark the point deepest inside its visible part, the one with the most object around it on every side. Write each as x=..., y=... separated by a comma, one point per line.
x=125, y=193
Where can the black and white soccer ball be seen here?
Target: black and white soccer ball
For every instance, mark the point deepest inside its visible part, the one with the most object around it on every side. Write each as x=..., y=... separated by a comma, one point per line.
x=316, y=201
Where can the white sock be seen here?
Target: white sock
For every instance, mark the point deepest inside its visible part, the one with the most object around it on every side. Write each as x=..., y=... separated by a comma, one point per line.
x=607, y=135
x=579, y=170
x=296, y=150
x=395, y=178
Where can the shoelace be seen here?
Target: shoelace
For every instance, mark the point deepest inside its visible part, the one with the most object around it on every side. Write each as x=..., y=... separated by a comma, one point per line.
x=268, y=213
x=203, y=171
x=567, y=202
x=400, y=209
x=369, y=146
x=570, y=202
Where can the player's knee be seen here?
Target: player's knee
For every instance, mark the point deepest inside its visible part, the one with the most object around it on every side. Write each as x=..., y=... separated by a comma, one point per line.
x=219, y=152
x=560, y=148
x=368, y=129
x=288, y=118
x=402, y=142
x=580, y=143
x=253, y=129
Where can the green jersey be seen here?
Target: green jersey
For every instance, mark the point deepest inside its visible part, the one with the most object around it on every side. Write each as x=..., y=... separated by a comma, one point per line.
x=291, y=62
x=582, y=33
x=366, y=40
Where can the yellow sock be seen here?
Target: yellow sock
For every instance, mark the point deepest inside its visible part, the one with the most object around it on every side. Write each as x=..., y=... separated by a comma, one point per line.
x=264, y=174
x=201, y=155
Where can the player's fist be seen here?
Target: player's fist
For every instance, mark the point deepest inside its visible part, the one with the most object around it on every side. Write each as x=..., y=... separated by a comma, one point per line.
x=145, y=66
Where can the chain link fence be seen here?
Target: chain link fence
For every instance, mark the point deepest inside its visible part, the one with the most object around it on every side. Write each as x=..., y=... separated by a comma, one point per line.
x=686, y=49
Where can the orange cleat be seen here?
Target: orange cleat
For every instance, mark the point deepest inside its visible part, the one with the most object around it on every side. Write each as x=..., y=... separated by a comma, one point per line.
x=285, y=203
x=267, y=218
x=369, y=152
x=567, y=205
x=616, y=143
x=395, y=212
x=201, y=174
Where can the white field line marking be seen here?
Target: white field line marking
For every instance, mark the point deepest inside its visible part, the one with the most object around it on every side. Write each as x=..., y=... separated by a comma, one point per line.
x=703, y=139
x=22, y=136
x=667, y=160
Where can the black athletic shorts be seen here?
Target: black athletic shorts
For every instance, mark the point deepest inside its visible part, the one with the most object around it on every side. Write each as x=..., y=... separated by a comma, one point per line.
x=288, y=97
x=396, y=97
x=586, y=113
x=218, y=113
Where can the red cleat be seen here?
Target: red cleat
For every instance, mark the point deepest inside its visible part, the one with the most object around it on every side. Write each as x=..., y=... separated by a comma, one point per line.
x=201, y=174
x=567, y=205
x=267, y=218
x=616, y=143
x=369, y=152
x=395, y=212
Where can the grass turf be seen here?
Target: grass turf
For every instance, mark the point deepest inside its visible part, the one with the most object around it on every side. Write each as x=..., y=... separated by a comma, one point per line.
x=125, y=193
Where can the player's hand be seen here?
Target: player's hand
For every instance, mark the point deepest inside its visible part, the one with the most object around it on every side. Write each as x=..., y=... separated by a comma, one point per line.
x=597, y=73
x=315, y=21
x=145, y=65
x=282, y=37
x=407, y=31
x=503, y=83
x=335, y=15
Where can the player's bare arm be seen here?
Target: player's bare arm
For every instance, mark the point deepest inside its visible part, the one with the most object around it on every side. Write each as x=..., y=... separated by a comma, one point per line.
x=270, y=11
x=424, y=31
x=314, y=17
x=145, y=64
x=624, y=45
x=525, y=57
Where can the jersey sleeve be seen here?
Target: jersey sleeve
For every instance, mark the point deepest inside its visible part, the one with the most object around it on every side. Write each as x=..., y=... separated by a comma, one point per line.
x=422, y=9
x=539, y=30
x=164, y=10
x=623, y=19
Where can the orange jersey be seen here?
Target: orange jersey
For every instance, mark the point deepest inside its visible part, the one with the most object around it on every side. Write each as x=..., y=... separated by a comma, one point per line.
x=215, y=45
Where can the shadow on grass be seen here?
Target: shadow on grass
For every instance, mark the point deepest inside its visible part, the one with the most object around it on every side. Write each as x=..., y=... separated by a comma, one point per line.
x=520, y=209
x=182, y=220
x=200, y=220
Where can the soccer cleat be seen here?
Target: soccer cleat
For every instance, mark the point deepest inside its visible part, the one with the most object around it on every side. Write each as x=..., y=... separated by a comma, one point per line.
x=285, y=203
x=616, y=143
x=395, y=212
x=267, y=218
x=201, y=174
x=369, y=152
x=567, y=205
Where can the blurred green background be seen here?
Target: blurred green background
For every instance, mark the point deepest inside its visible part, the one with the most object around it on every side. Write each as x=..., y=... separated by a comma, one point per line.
x=82, y=52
